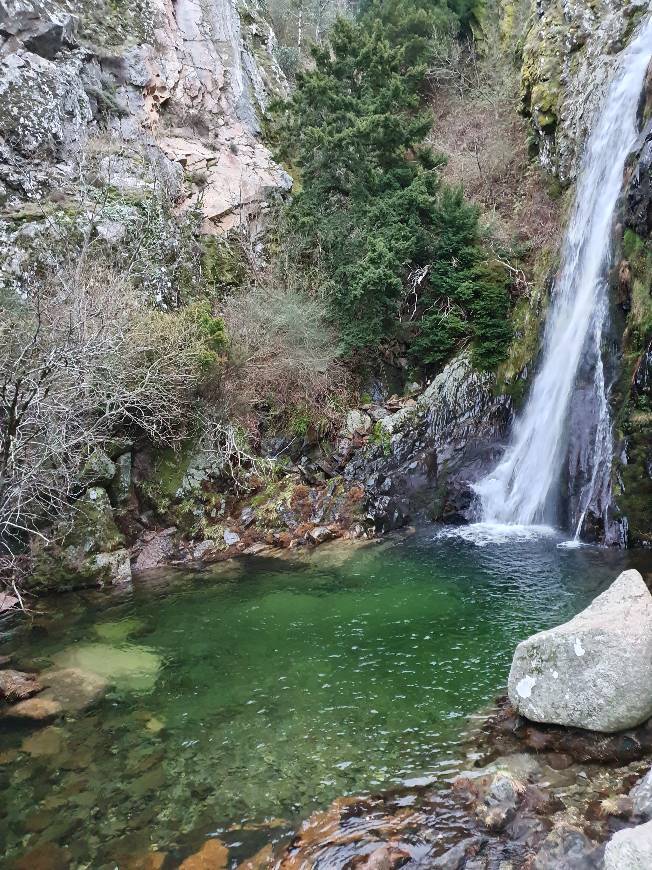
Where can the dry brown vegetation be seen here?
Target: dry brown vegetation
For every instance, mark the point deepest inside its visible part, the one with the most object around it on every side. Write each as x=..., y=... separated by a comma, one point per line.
x=485, y=140
x=282, y=360
x=81, y=360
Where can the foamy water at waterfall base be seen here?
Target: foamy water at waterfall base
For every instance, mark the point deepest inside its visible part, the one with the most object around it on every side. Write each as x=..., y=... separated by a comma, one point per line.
x=522, y=489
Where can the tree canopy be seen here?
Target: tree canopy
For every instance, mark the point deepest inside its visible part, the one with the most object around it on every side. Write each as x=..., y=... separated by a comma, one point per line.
x=402, y=253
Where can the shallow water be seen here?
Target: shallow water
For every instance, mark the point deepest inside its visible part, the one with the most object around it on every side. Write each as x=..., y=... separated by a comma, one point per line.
x=245, y=697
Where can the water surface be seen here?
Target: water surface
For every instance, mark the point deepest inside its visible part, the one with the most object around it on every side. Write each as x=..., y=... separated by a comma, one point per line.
x=244, y=697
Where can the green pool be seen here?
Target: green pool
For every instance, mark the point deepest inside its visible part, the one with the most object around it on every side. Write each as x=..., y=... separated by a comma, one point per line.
x=244, y=697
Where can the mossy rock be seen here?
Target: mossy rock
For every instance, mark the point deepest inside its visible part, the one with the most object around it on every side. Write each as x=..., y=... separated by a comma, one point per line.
x=83, y=558
x=632, y=482
x=223, y=266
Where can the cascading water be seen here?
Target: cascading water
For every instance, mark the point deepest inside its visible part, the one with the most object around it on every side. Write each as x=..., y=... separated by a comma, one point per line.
x=522, y=489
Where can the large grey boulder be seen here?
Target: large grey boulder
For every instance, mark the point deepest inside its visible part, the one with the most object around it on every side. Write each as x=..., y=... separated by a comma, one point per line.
x=630, y=849
x=594, y=672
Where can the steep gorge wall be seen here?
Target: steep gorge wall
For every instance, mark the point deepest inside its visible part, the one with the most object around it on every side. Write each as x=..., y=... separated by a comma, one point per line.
x=569, y=55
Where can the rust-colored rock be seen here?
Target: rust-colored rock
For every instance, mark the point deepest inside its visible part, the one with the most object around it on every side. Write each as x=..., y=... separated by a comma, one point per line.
x=261, y=860
x=145, y=861
x=213, y=855
x=47, y=856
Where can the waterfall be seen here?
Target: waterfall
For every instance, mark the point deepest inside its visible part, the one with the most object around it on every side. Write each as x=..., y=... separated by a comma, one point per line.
x=523, y=487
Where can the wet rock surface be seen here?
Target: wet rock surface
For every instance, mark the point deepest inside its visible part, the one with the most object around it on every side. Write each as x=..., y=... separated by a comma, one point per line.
x=570, y=53
x=531, y=807
x=73, y=688
x=431, y=449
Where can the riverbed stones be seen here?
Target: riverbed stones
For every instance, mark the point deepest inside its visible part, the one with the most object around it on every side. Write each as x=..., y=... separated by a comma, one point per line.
x=130, y=667
x=630, y=849
x=594, y=672
x=16, y=686
x=212, y=856
x=49, y=741
x=567, y=848
x=75, y=689
x=36, y=709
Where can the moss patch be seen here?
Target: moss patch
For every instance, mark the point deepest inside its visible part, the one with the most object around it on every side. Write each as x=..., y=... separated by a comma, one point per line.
x=632, y=479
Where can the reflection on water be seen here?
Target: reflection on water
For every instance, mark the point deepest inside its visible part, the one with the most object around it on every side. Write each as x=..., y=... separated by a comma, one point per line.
x=244, y=698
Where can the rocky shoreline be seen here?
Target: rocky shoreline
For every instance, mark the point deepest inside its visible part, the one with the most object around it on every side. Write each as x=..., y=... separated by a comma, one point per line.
x=395, y=460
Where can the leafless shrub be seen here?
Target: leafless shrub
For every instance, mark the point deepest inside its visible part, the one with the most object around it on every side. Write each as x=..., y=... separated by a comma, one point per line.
x=479, y=129
x=283, y=354
x=80, y=360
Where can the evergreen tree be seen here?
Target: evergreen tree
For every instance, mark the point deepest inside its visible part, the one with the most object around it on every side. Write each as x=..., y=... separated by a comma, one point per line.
x=371, y=200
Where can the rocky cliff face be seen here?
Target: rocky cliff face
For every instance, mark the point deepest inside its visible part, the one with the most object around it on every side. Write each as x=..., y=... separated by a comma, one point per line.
x=172, y=90
x=568, y=59
x=426, y=456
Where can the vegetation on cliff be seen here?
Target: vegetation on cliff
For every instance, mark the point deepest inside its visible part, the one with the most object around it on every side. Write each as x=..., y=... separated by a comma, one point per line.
x=402, y=254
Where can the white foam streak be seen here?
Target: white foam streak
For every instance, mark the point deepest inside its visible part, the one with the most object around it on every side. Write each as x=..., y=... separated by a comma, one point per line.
x=485, y=534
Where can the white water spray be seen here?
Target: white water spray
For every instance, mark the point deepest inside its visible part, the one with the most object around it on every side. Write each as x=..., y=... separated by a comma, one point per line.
x=520, y=490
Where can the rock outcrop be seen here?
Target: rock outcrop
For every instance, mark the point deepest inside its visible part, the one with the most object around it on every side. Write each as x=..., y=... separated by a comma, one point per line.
x=164, y=95
x=426, y=455
x=594, y=672
x=92, y=551
x=569, y=57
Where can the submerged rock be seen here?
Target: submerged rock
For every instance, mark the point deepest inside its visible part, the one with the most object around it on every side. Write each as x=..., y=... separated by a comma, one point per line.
x=118, y=632
x=630, y=849
x=387, y=857
x=130, y=667
x=46, y=856
x=73, y=688
x=49, y=741
x=16, y=686
x=594, y=672
x=37, y=709
x=212, y=856
x=568, y=848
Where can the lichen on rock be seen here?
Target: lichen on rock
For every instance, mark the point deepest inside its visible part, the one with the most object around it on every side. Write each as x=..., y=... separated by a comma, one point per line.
x=594, y=672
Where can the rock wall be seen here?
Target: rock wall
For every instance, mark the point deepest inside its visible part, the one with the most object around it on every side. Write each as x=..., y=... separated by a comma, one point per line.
x=175, y=86
x=423, y=458
x=568, y=58
x=632, y=401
